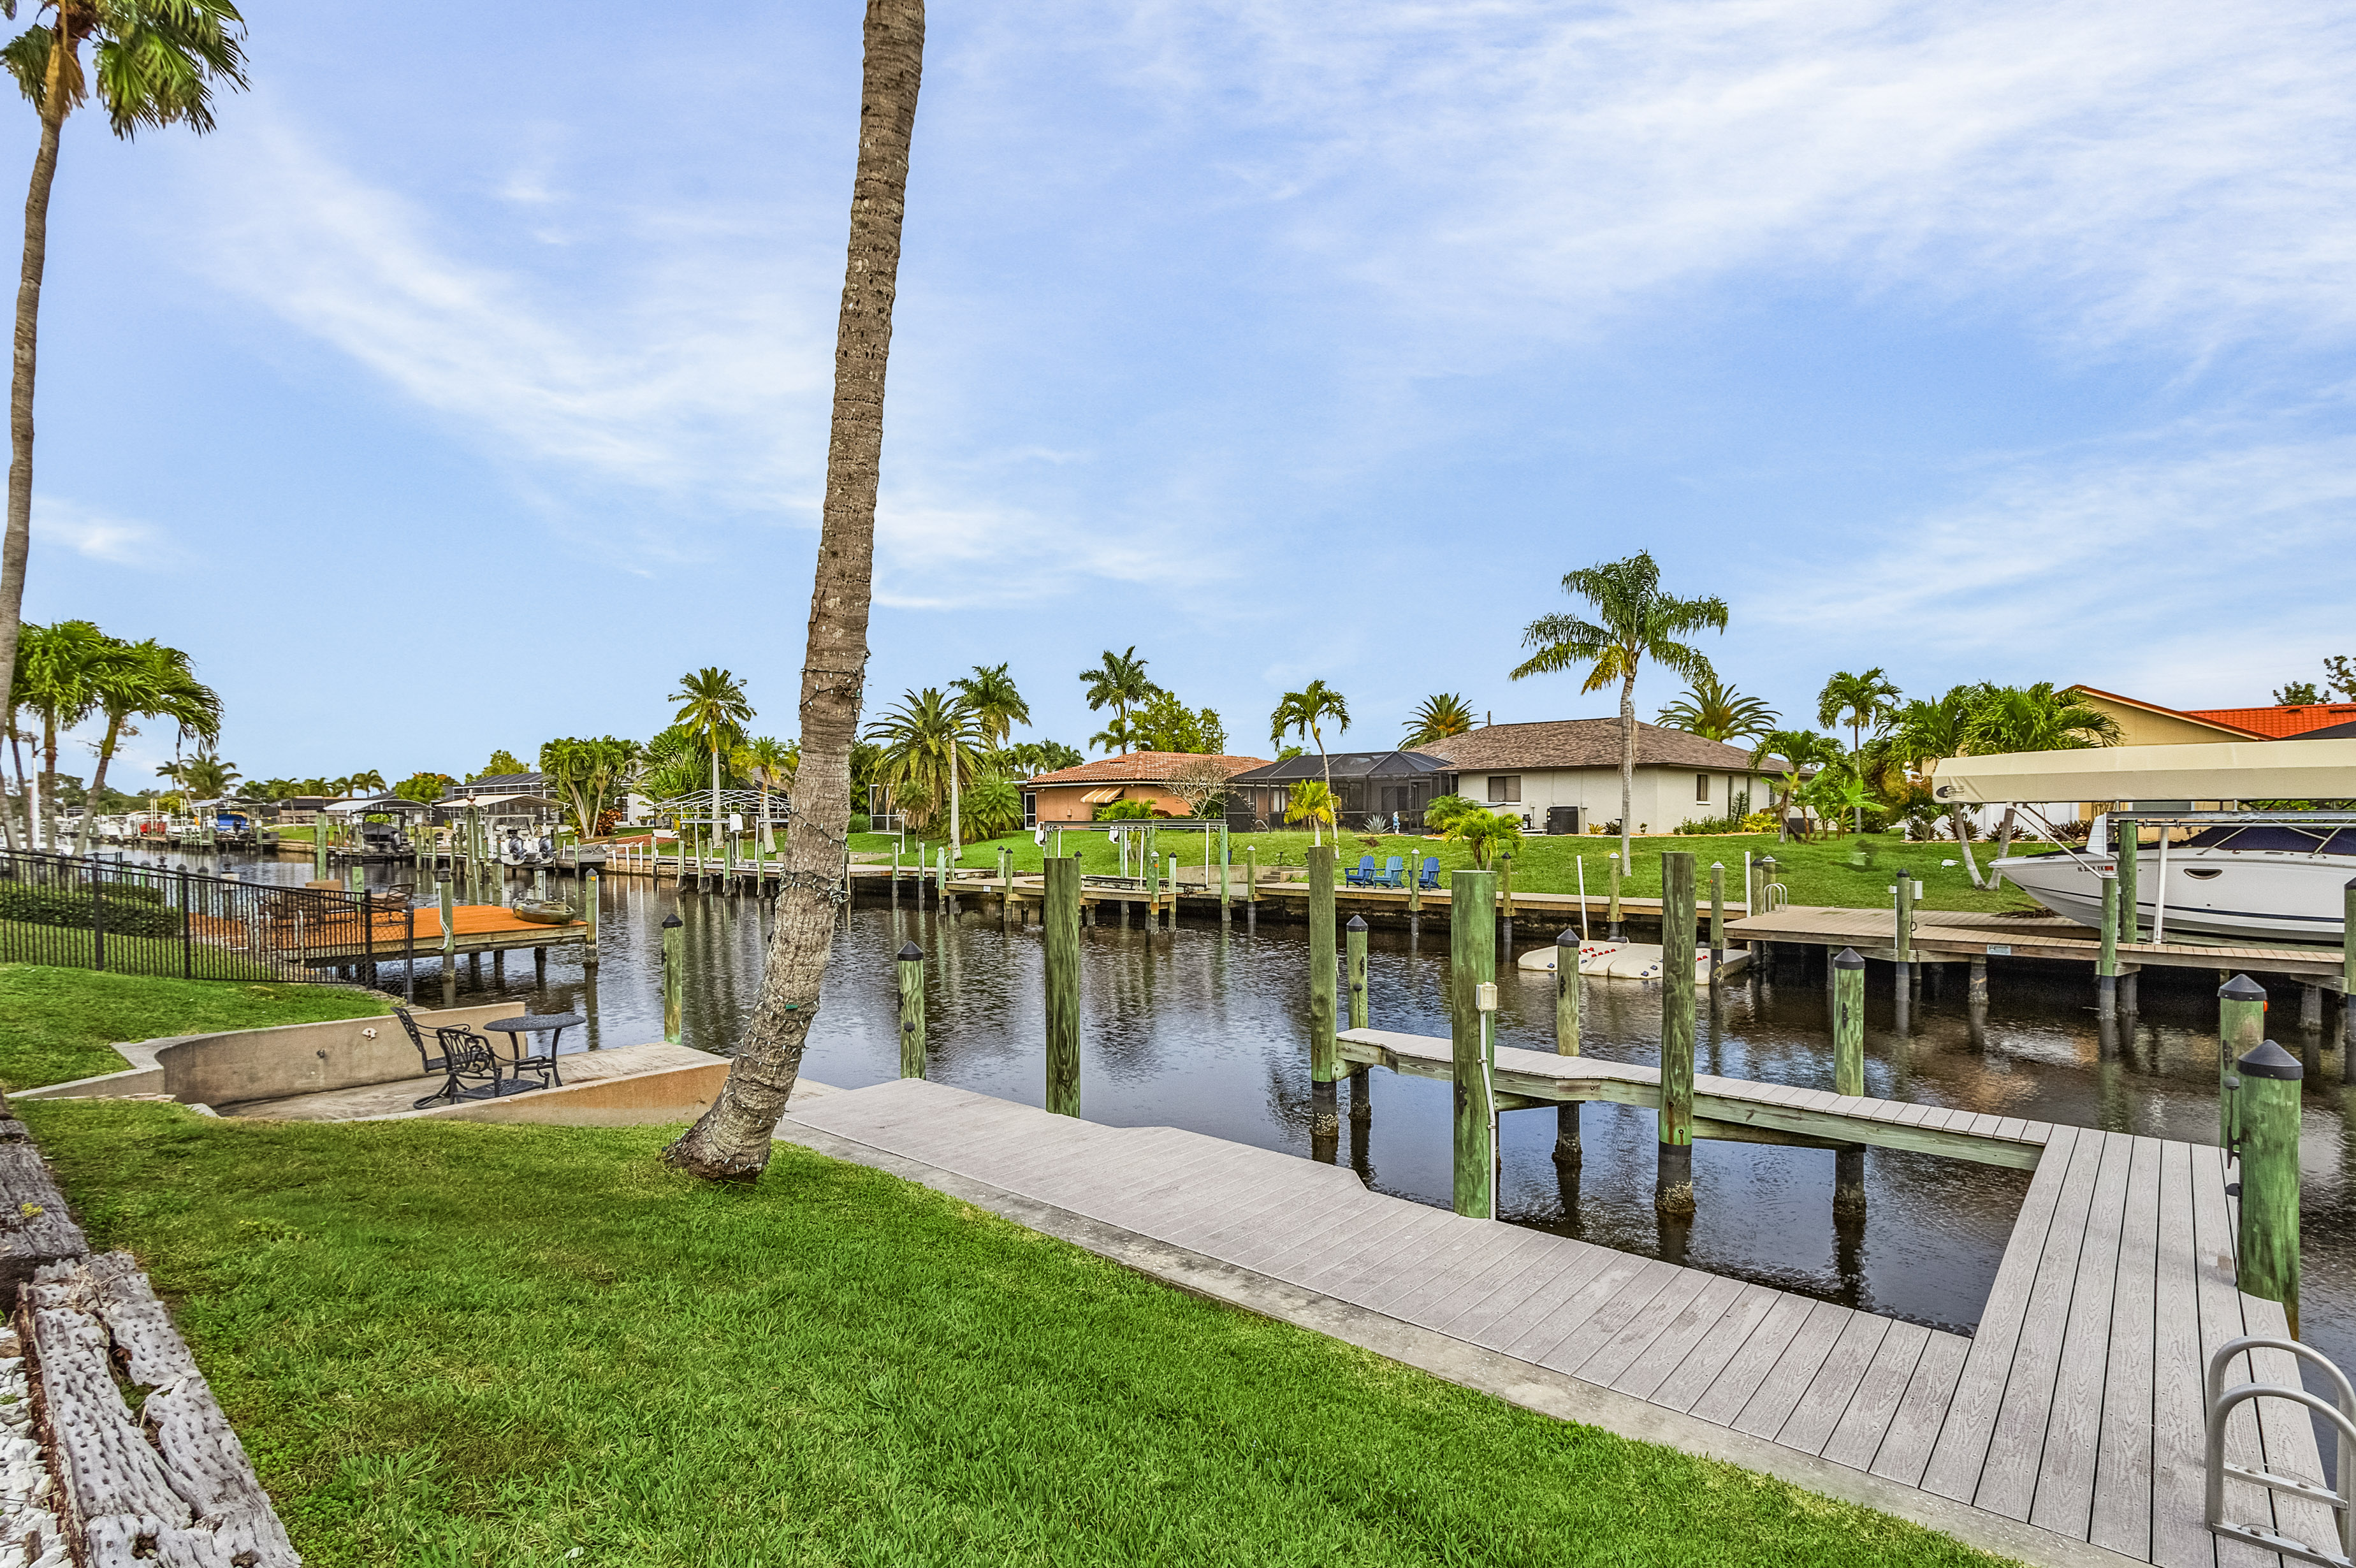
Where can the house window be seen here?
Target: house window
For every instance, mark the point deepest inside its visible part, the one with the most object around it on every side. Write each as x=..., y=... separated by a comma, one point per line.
x=1701, y=786
x=1504, y=789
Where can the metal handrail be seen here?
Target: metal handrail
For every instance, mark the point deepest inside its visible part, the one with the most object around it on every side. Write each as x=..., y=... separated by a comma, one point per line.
x=1778, y=897
x=2221, y=1402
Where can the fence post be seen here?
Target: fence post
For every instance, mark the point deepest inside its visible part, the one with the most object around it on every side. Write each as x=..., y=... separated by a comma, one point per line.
x=2269, y=1114
x=2241, y=1029
x=912, y=1010
x=1324, y=1121
x=1061, y=914
x=1848, y=1022
x=1673, y=1188
x=97, y=917
x=1566, y=1040
x=1472, y=964
x=188, y=930
x=674, y=977
x=1356, y=932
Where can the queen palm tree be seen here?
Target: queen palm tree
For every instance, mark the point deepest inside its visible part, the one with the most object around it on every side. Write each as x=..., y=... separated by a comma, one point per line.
x=1442, y=714
x=1634, y=621
x=1862, y=702
x=713, y=708
x=989, y=696
x=1305, y=712
x=1716, y=711
x=931, y=747
x=154, y=63
x=144, y=680
x=57, y=675
x=1119, y=683
x=1797, y=749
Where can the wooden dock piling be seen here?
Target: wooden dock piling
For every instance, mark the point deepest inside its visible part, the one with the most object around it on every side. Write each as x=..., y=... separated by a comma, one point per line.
x=1611, y=921
x=1848, y=1022
x=1356, y=958
x=1226, y=915
x=1325, y=1119
x=1673, y=1188
x=2241, y=1029
x=1472, y=962
x=1566, y=1040
x=1252, y=887
x=2106, y=964
x=590, y=883
x=1904, y=945
x=2128, y=836
x=2346, y=981
x=911, y=966
x=1060, y=928
x=674, y=979
x=1505, y=899
x=1716, y=923
x=2268, y=1103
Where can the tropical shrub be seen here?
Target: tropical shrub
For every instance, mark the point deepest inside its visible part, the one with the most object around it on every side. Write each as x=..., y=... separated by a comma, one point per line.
x=1447, y=808
x=859, y=824
x=992, y=807
x=1125, y=811
x=129, y=910
x=1487, y=835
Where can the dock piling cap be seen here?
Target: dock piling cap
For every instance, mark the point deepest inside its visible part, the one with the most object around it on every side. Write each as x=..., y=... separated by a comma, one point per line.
x=1566, y=937
x=672, y=920
x=2241, y=988
x=2267, y=1059
x=1357, y=923
x=911, y=953
x=1848, y=958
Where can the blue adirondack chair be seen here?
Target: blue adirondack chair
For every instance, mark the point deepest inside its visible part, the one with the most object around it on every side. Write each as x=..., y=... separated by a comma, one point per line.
x=1430, y=870
x=1364, y=877
x=1395, y=873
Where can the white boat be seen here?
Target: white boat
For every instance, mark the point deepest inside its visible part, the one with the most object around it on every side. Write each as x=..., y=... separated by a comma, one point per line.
x=2255, y=877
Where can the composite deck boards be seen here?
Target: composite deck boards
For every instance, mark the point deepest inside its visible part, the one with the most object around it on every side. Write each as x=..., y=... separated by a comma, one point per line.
x=2075, y=1406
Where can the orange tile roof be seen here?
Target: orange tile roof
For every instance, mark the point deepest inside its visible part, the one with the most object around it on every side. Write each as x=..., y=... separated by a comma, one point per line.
x=2280, y=722
x=1139, y=767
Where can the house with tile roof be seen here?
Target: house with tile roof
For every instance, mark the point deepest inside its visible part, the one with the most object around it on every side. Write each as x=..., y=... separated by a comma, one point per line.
x=1074, y=795
x=2144, y=723
x=1562, y=776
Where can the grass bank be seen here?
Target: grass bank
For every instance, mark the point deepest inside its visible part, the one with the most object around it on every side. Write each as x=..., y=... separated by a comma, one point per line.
x=829, y=1366
x=59, y=1024
x=1821, y=872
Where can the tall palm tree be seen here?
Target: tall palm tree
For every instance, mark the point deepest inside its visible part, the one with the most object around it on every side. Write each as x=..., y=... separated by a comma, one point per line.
x=1305, y=712
x=154, y=62
x=1634, y=621
x=145, y=681
x=1442, y=714
x=769, y=762
x=1716, y=711
x=1862, y=702
x=713, y=708
x=1119, y=683
x=366, y=779
x=989, y=696
x=731, y=1138
x=931, y=751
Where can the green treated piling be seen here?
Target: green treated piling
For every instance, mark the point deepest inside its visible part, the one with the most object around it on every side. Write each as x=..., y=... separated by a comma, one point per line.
x=1673, y=1188
x=2128, y=833
x=1251, y=873
x=1472, y=962
x=2241, y=1029
x=1566, y=1040
x=449, y=921
x=1355, y=956
x=2346, y=981
x=1061, y=923
x=319, y=848
x=1323, y=1059
x=674, y=977
x=589, y=884
x=1716, y=919
x=1612, y=917
x=1225, y=914
x=2268, y=1111
x=910, y=964
x=1848, y=1022
x=2106, y=958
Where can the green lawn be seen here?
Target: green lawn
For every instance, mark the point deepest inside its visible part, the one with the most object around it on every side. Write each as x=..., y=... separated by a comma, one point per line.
x=1817, y=873
x=60, y=1024
x=830, y=1366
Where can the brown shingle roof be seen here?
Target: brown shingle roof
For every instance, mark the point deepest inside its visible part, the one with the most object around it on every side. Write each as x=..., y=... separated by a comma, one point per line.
x=1585, y=744
x=1139, y=767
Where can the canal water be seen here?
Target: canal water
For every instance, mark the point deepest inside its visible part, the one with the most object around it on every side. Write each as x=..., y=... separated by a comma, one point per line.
x=1205, y=1029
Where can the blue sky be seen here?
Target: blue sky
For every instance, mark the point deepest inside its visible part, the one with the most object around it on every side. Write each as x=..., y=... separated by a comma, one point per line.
x=469, y=384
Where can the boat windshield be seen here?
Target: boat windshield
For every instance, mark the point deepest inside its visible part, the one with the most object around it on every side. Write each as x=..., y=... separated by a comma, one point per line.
x=2275, y=835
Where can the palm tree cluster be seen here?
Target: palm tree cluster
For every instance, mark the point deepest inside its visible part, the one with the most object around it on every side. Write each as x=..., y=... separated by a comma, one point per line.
x=70, y=672
x=366, y=782
x=947, y=759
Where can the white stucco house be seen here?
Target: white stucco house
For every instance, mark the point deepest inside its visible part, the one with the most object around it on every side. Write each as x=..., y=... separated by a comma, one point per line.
x=1563, y=776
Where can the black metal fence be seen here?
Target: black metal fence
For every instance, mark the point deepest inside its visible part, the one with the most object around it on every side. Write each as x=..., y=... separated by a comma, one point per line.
x=136, y=918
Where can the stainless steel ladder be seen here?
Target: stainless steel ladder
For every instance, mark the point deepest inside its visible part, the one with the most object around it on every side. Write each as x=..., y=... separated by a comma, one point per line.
x=2221, y=1402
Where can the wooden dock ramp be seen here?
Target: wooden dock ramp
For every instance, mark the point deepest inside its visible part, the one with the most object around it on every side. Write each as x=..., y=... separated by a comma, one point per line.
x=2067, y=1430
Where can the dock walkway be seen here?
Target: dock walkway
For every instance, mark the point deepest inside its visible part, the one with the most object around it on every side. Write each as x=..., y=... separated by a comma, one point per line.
x=2066, y=1431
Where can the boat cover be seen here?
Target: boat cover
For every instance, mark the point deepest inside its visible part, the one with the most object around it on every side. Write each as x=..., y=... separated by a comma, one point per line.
x=2230, y=769
x=2271, y=835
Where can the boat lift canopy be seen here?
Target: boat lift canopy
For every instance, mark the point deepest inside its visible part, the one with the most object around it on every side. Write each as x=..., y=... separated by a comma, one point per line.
x=2228, y=770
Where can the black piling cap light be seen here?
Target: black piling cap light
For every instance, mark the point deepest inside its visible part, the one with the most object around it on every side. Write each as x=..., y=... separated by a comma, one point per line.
x=672, y=920
x=1566, y=937
x=1848, y=958
x=1357, y=923
x=911, y=953
x=2267, y=1059
x=2241, y=988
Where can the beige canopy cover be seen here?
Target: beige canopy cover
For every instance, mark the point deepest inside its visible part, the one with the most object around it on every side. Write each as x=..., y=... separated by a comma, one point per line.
x=2228, y=770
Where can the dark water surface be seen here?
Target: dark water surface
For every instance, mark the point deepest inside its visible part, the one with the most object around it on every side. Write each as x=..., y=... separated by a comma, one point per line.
x=1206, y=1030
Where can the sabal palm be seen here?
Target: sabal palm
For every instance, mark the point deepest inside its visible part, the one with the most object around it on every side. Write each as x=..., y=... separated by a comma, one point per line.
x=154, y=63
x=713, y=708
x=930, y=751
x=1441, y=715
x=1306, y=712
x=145, y=681
x=989, y=694
x=1634, y=621
x=1716, y=711
x=1119, y=683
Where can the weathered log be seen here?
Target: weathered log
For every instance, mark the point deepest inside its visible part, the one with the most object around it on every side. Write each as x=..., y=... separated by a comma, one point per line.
x=36, y=1227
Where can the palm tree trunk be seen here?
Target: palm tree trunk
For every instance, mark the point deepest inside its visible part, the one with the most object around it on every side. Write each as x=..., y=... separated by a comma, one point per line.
x=82, y=840
x=2004, y=833
x=715, y=788
x=732, y=1138
x=1332, y=810
x=1971, y=864
x=1627, y=764
x=50, y=781
x=20, y=533
x=956, y=823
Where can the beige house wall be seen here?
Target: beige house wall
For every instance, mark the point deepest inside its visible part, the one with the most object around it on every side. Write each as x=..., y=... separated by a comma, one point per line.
x=2142, y=727
x=1063, y=802
x=1663, y=798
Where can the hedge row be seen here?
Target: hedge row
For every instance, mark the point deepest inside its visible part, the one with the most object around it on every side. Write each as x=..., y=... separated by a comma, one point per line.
x=129, y=910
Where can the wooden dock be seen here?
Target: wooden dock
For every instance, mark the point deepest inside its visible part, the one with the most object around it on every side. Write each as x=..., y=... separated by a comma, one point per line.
x=2067, y=1430
x=1947, y=936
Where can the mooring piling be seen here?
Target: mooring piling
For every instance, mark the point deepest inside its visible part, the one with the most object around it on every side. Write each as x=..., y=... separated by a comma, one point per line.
x=674, y=977
x=590, y=881
x=1472, y=966
x=1848, y=1022
x=2106, y=961
x=1716, y=923
x=1061, y=929
x=1904, y=943
x=1225, y=916
x=1354, y=945
x=2346, y=981
x=1325, y=1120
x=2129, y=838
x=1566, y=1040
x=1672, y=1189
x=1975, y=993
x=1611, y=918
x=1505, y=902
x=911, y=966
x=2241, y=1029
x=2267, y=1118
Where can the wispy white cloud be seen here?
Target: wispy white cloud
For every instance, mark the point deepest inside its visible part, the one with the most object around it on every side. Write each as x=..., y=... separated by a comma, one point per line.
x=102, y=536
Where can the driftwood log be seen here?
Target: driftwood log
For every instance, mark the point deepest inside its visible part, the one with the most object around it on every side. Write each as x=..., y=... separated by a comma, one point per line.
x=165, y=1486
x=35, y=1228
